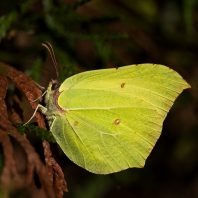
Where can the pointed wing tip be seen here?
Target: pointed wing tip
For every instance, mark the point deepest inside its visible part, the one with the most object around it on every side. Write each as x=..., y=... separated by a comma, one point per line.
x=188, y=86
x=185, y=85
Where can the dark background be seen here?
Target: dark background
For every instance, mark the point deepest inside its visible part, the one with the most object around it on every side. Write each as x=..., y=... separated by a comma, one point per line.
x=97, y=34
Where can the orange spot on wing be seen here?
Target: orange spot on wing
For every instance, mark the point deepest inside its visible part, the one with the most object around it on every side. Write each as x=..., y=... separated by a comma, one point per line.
x=122, y=85
x=117, y=121
x=75, y=123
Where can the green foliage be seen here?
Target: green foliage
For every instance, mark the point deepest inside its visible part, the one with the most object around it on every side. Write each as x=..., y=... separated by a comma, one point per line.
x=188, y=16
x=6, y=23
x=9, y=21
x=42, y=133
x=57, y=23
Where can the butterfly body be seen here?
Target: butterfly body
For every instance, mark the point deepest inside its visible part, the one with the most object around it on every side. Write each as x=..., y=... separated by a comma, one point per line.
x=109, y=120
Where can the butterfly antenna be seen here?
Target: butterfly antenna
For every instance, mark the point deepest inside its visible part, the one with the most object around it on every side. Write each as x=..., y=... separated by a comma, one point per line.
x=49, y=47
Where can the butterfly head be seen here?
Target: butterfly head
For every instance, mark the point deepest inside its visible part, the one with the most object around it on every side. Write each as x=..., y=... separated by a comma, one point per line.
x=55, y=84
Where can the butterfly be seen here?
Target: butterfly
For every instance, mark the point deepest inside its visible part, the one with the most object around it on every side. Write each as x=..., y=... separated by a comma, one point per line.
x=109, y=120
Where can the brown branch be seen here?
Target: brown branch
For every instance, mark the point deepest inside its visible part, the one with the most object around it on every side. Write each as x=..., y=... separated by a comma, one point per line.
x=9, y=168
x=16, y=118
x=32, y=156
x=54, y=168
x=3, y=90
x=33, y=92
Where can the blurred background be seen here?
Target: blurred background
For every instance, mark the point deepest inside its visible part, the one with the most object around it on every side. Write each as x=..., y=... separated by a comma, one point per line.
x=98, y=34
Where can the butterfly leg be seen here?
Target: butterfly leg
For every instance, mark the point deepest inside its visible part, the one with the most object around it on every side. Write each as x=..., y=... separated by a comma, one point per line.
x=51, y=121
x=43, y=110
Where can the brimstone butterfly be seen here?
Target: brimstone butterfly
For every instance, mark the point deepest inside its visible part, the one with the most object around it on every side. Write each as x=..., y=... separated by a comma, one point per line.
x=109, y=120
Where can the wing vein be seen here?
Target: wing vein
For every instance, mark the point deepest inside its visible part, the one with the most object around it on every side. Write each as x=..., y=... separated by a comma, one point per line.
x=84, y=146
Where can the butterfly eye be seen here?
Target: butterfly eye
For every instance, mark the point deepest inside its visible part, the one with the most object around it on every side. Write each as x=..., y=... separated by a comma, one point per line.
x=55, y=85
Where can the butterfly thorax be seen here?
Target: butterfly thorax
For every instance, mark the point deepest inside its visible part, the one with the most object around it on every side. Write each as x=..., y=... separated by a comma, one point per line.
x=51, y=99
